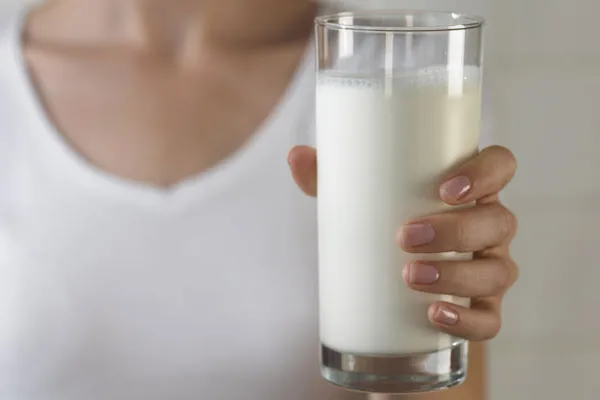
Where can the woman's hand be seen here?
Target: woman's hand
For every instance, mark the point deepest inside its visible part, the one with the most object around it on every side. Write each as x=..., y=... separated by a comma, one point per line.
x=486, y=230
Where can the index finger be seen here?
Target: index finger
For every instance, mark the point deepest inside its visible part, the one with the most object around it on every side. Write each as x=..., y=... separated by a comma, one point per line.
x=484, y=175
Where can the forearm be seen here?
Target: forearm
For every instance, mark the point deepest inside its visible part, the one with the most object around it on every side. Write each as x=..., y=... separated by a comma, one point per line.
x=473, y=389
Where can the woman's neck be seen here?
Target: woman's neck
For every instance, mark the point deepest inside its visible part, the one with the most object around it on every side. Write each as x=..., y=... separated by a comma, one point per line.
x=174, y=26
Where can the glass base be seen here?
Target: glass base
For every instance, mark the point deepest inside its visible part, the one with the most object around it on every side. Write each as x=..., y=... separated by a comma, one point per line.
x=412, y=373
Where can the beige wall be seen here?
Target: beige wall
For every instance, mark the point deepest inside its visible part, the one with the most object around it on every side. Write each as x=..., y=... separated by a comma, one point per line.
x=543, y=80
x=546, y=76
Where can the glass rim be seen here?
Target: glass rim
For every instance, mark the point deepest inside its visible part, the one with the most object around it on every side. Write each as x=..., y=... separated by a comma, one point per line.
x=331, y=21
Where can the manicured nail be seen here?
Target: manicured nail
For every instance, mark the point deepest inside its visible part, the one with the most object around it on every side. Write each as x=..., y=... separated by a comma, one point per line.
x=455, y=188
x=420, y=274
x=414, y=235
x=443, y=315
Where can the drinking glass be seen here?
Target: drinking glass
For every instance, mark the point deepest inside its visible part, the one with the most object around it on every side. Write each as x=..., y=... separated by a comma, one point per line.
x=398, y=106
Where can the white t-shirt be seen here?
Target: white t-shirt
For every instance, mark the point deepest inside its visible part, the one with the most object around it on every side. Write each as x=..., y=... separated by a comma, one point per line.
x=115, y=290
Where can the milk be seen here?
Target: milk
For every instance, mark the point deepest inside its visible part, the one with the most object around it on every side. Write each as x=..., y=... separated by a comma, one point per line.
x=383, y=143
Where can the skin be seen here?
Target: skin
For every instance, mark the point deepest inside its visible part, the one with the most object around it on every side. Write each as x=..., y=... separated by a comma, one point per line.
x=115, y=76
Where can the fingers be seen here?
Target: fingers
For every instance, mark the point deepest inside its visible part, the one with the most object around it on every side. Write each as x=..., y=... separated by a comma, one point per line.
x=481, y=322
x=303, y=164
x=464, y=231
x=485, y=175
x=482, y=176
x=477, y=278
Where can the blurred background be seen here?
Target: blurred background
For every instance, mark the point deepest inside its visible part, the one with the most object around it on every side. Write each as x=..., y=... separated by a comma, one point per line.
x=542, y=88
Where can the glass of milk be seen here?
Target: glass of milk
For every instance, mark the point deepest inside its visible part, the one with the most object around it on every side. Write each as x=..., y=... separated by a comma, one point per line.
x=398, y=105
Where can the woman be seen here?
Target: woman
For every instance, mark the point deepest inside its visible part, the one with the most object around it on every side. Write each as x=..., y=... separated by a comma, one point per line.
x=152, y=243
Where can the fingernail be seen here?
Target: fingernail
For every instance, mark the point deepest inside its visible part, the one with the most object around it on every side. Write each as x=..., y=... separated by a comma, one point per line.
x=455, y=188
x=414, y=235
x=443, y=315
x=421, y=274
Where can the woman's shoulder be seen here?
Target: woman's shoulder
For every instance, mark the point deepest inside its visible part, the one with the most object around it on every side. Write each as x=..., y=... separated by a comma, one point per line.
x=11, y=22
x=14, y=114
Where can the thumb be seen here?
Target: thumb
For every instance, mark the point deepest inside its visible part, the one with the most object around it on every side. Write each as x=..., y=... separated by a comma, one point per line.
x=303, y=164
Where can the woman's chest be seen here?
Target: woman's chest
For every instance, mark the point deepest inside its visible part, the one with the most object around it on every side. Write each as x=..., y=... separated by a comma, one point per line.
x=157, y=122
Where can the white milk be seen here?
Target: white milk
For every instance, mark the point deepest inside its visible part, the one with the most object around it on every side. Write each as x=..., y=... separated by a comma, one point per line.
x=382, y=145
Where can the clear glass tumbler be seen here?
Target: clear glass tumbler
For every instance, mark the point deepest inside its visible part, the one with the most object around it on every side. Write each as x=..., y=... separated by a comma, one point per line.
x=398, y=106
